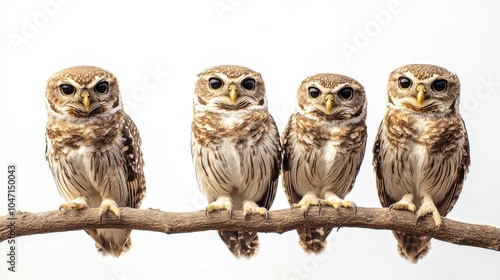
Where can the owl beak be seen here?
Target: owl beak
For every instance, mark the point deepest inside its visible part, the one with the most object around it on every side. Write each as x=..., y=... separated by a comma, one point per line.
x=232, y=92
x=420, y=94
x=329, y=102
x=85, y=99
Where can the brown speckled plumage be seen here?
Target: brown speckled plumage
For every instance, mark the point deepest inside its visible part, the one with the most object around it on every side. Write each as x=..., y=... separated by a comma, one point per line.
x=94, y=154
x=323, y=151
x=421, y=153
x=236, y=149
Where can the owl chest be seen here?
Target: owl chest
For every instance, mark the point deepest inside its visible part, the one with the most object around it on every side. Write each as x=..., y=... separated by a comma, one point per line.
x=234, y=130
x=81, y=139
x=320, y=151
x=424, y=137
x=91, y=161
x=84, y=152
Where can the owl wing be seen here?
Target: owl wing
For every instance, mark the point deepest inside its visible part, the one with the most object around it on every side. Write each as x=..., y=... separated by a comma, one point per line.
x=136, y=183
x=346, y=166
x=289, y=141
x=453, y=186
x=268, y=198
x=378, y=158
x=341, y=176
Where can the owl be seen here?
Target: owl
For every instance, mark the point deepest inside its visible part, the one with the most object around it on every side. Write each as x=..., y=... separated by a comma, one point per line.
x=323, y=147
x=93, y=149
x=235, y=147
x=421, y=151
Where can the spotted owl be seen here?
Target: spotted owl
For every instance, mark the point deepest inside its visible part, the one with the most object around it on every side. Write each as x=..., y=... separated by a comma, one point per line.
x=421, y=151
x=323, y=147
x=93, y=149
x=235, y=147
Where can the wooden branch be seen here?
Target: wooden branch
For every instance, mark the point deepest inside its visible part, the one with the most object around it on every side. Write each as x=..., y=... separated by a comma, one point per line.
x=278, y=221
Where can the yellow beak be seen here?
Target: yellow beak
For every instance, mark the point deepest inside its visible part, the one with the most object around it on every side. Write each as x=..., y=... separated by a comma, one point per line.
x=420, y=94
x=329, y=102
x=232, y=92
x=85, y=99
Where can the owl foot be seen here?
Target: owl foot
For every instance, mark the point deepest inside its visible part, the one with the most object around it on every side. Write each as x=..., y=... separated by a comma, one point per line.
x=109, y=205
x=75, y=204
x=341, y=203
x=222, y=203
x=428, y=207
x=250, y=207
x=406, y=203
x=309, y=199
x=336, y=202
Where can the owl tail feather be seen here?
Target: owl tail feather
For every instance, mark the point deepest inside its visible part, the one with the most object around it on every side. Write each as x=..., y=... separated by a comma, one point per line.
x=313, y=240
x=412, y=247
x=241, y=244
x=111, y=242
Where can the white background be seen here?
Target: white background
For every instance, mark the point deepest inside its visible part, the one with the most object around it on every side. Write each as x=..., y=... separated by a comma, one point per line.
x=168, y=43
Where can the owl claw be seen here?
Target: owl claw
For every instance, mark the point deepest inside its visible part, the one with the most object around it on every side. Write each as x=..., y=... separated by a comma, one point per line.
x=437, y=221
x=403, y=206
x=109, y=205
x=252, y=207
x=76, y=204
x=222, y=203
x=336, y=204
x=428, y=207
x=406, y=203
x=355, y=207
x=307, y=200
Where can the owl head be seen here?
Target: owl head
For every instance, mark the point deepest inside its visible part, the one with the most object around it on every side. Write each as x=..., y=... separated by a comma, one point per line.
x=82, y=92
x=423, y=88
x=230, y=87
x=332, y=97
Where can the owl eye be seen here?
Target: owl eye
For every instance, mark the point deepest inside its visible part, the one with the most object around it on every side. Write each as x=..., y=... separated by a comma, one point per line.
x=101, y=87
x=346, y=93
x=404, y=83
x=215, y=83
x=440, y=85
x=67, y=89
x=314, y=92
x=248, y=84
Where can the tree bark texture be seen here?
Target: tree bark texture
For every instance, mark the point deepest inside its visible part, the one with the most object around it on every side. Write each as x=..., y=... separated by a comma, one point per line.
x=24, y=223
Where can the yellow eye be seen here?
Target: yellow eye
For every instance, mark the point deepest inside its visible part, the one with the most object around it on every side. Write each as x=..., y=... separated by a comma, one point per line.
x=440, y=85
x=67, y=89
x=215, y=83
x=101, y=87
x=314, y=92
x=404, y=83
x=346, y=93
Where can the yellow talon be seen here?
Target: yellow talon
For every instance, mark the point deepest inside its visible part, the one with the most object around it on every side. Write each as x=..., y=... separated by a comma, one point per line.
x=406, y=203
x=252, y=207
x=222, y=203
x=76, y=204
x=109, y=205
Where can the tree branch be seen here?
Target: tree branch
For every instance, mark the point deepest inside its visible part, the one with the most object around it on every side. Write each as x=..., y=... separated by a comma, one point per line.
x=279, y=221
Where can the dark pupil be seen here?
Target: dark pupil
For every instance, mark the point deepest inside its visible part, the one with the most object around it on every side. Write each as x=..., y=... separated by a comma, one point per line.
x=346, y=93
x=314, y=92
x=404, y=82
x=440, y=85
x=101, y=87
x=67, y=89
x=248, y=84
x=215, y=83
